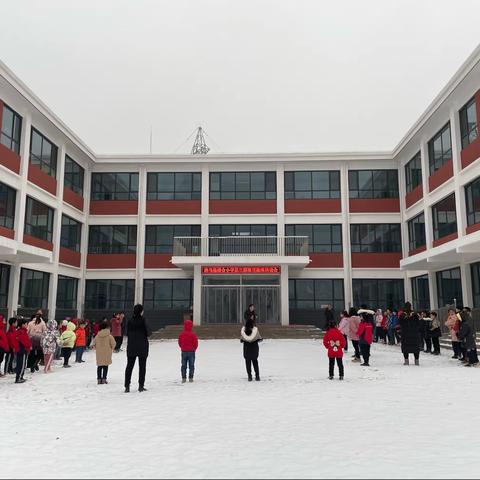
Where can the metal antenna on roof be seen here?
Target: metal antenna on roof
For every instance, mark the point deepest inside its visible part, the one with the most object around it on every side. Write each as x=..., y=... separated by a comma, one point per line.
x=200, y=147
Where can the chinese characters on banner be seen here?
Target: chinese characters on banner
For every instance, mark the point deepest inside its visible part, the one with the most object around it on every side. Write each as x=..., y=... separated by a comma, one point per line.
x=241, y=270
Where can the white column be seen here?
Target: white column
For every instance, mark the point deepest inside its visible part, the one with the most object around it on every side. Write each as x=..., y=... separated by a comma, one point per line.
x=14, y=287
x=52, y=294
x=347, y=256
x=205, y=200
x=432, y=286
x=427, y=209
x=142, y=210
x=460, y=202
x=284, y=300
x=197, y=295
x=466, y=277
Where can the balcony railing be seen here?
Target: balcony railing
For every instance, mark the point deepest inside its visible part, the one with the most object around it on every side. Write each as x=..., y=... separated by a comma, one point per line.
x=240, y=246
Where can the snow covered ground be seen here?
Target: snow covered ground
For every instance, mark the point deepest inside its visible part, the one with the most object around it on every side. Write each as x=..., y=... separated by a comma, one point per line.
x=388, y=421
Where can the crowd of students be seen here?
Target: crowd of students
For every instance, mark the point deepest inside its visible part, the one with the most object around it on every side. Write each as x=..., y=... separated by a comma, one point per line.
x=29, y=344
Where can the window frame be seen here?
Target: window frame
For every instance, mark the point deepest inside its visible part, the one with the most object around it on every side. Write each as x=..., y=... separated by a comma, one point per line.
x=373, y=232
x=63, y=300
x=446, y=154
x=291, y=230
x=468, y=134
x=8, y=220
x=159, y=247
x=419, y=302
x=49, y=167
x=373, y=193
x=472, y=213
x=311, y=193
x=31, y=228
x=34, y=301
x=102, y=179
x=238, y=193
x=435, y=219
x=440, y=287
x=304, y=286
x=413, y=242
x=70, y=177
x=397, y=303
x=16, y=126
x=172, y=303
x=5, y=271
x=63, y=238
x=475, y=272
x=111, y=302
x=176, y=194
x=412, y=179
x=112, y=234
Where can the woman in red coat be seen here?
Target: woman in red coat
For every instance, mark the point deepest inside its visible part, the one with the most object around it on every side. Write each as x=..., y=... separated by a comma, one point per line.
x=334, y=342
x=365, y=334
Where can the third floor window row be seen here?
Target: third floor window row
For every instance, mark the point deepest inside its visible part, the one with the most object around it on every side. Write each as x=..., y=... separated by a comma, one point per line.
x=11, y=129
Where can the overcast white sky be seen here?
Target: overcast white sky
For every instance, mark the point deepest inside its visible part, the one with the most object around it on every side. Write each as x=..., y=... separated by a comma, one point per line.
x=259, y=75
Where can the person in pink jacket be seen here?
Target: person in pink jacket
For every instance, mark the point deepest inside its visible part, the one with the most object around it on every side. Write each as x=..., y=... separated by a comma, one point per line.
x=354, y=324
x=451, y=323
x=344, y=327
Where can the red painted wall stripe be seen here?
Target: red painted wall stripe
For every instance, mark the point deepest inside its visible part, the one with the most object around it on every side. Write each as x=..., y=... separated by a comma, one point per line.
x=236, y=207
x=7, y=232
x=326, y=205
x=411, y=198
x=374, y=205
x=158, y=260
x=441, y=176
x=446, y=239
x=473, y=228
x=174, y=207
x=116, y=260
x=73, y=198
x=326, y=260
x=418, y=250
x=114, y=207
x=37, y=242
x=376, y=260
x=41, y=179
x=70, y=257
x=472, y=151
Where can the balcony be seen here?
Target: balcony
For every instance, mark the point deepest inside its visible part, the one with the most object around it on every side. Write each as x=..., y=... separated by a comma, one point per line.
x=242, y=250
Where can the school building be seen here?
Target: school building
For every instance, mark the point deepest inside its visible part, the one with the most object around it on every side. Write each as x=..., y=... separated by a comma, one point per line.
x=86, y=235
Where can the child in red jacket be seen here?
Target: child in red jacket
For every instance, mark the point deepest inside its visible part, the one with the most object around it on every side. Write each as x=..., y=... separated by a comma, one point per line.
x=365, y=334
x=12, y=344
x=4, y=347
x=188, y=343
x=25, y=345
x=334, y=342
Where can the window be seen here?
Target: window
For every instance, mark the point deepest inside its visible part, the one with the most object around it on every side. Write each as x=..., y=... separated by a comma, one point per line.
x=373, y=183
x=476, y=284
x=109, y=295
x=174, y=186
x=413, y=172
x=67, y=288
x=376, y=238
x=229, y=245
x=440, y=149
x=421, y=293
x=312, y=185
x=71, y=235
x=243, y=230
x=7, y=206
x=33, y=289
x=243, y=186
x=167, y=294
x=74, y=174
x=309, y=294
x=472, y=194
x=378, y=293
x=39, y=220
x=416, y=232
x=4, y=284
x=43, y=153
x=444, y=217
x=114, y=186
x=449, y=288
x=468, y=123
x=11, y=129
x=321, y=238
x=108, y=239
x=159, y=238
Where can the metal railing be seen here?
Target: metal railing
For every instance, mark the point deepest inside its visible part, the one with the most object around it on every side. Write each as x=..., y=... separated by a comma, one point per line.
x=240, y=246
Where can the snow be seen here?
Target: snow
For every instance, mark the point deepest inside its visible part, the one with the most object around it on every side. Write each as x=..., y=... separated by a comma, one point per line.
x=387, y=421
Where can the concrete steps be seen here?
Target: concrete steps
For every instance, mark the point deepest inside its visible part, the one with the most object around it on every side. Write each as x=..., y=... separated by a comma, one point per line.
x=229, y=331
x=446, y=342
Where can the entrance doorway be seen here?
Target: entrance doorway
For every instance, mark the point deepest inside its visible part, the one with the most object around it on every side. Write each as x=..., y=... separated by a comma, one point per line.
x=225, y=301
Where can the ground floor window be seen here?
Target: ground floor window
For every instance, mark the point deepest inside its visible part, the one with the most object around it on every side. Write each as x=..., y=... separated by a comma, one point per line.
x=33, y=289
x=168, y=294
x=421, y=293
x=378, y=293
x=4, y=283
x=476, y=284
x=449, y=287
x=67, y=288
x=109, y=294
x=316, y=294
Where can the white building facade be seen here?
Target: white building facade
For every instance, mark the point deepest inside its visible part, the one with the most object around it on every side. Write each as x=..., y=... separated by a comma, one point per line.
x=86, y=235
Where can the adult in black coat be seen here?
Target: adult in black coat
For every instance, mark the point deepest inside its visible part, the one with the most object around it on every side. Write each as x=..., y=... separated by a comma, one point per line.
x=250, y=337
x=329, y=317
x=410, y=330
x=138, y=332
x=251, y=314
x=467, y=337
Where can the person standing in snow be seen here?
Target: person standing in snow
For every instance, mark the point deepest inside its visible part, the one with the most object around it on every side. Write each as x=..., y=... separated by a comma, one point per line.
x=344, y=327
x=435, y=333
x=80, y=342
x=250, y=314
x=104, y=343
x=453, y=325
x=67, y=341
x=468, y=337
x=188, y=343
x=410, y=331
x=354, y=324
x=50, y=342
x=329, y=316
x=24, y=348
x=138, y=332
x=334, y=341
x=13, y=346
x=117, y=331
x=250, y=337
x=365, y=334
x=392, y=321
x=36, y=329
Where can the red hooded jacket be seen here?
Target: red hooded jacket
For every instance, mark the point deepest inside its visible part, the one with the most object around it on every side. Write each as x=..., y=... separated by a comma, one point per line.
x=12, y=339
x=365, y=332
x=3, y=336
x=187, y=340
x=24, y=339
x=334, y=342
